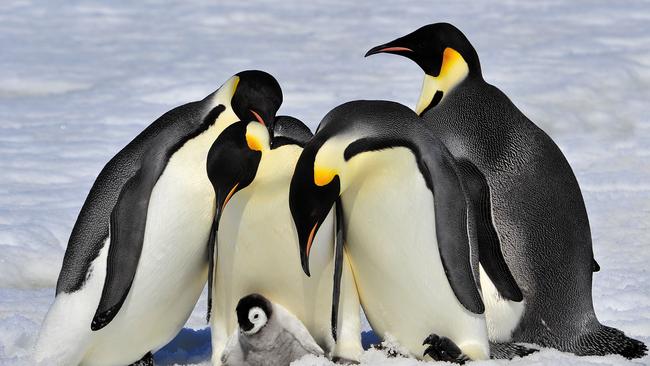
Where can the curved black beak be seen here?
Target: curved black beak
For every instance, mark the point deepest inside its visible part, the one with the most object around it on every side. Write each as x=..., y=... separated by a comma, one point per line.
x=222, y=199
x=309, y=203
x=395, y=47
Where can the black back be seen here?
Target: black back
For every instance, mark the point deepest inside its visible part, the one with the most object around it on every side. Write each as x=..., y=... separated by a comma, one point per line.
x=91, y=227
x=537, y=206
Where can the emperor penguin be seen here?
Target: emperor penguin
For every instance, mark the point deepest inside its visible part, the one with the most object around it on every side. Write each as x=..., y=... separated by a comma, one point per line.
x=137, y=259
x=405, y=226
x=256, y=246
x=267, y=335
x=526, y=189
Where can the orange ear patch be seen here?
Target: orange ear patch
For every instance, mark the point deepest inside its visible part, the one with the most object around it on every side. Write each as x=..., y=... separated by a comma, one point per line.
x=323, y=176
x=253, y=143
x=450, y=57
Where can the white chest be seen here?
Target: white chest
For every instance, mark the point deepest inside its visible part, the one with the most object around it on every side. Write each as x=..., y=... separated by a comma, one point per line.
x=258, y=252
x=391, y=240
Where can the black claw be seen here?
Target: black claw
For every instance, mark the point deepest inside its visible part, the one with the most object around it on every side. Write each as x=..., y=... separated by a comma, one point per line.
x=443, y=349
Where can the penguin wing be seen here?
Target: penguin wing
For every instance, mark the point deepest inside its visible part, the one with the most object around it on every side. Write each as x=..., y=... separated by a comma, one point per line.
x=91, y=228
x=296, y=329
x=129, y=216
x=489, y=247
x=444, y=179
x=127, y=224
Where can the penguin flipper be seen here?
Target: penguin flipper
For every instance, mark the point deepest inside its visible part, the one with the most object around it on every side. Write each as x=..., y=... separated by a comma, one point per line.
x=445, y=181
x=212, y=261
x=338, y=268
x=127, y=226
x=489, y=247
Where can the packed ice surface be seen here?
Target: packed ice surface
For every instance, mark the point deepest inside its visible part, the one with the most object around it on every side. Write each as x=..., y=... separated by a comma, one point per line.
x=78, y=80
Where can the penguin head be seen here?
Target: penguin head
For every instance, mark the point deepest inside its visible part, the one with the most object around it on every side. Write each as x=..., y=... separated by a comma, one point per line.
x=257, y=97
x=445, y=55
x=328, y=166
x=289, y=131
x=234, y=158
x=253, y=313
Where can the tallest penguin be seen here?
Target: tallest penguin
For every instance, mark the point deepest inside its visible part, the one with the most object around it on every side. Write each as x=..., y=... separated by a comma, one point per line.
x=527, y=190
x=137, y=259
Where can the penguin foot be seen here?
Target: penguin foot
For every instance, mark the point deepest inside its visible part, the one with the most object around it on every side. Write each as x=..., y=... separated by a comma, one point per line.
x=344, y=361
x=147, y=360
x=509, y=351
x=443, y=349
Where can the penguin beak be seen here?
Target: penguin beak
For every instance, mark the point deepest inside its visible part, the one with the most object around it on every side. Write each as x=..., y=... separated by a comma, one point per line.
x=390, y=47
x=309, y=203
x=269, y=123
x=229, y=196
x=258, y=117
x=222, y=202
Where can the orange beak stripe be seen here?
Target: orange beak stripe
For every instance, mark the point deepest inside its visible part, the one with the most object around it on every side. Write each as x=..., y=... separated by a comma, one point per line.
x=395, y=49
x=311, y=238
x=257, y=116
x=229, y=196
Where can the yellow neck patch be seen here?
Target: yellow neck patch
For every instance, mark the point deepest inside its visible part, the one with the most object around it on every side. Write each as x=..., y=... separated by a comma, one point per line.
x=323, y=176
x=234, y=86
x=257, y=137
x=454, y=70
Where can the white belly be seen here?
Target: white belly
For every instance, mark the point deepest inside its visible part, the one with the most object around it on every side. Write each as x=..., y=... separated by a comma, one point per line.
x=502, y=316
x=394, y=254
x=172, y=269
x=169, y=279
x=171, y=272
x=258, y=253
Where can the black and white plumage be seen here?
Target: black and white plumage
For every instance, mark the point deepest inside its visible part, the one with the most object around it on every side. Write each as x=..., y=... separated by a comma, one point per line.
x=268, y=335
x=137, y=258
x=255, y=246
x=405, y=225
x=537, y=267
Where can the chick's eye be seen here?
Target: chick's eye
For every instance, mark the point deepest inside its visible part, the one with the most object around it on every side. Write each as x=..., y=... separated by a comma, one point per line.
x=256, y=316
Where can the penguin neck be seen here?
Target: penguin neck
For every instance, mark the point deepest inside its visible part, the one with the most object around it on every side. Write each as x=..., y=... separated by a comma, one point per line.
x=277, y=165
x=454, y=70
x=224, y=97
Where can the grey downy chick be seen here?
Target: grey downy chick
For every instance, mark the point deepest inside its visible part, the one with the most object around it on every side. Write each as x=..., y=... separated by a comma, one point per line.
x=268, y=335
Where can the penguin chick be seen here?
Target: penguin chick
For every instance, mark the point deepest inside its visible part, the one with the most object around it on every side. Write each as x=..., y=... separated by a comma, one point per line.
x=268, y=335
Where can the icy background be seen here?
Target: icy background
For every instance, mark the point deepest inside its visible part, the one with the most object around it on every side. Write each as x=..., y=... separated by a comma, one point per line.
x=78, y=80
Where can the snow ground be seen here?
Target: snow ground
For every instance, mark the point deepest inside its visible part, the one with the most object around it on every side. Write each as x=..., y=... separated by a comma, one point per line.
x=78, y=80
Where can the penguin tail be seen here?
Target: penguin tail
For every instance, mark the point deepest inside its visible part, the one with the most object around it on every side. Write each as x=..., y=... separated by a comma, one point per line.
x=606, y=340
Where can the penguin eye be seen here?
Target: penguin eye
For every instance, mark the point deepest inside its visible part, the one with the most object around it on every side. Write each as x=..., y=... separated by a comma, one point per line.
x=256, y=316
